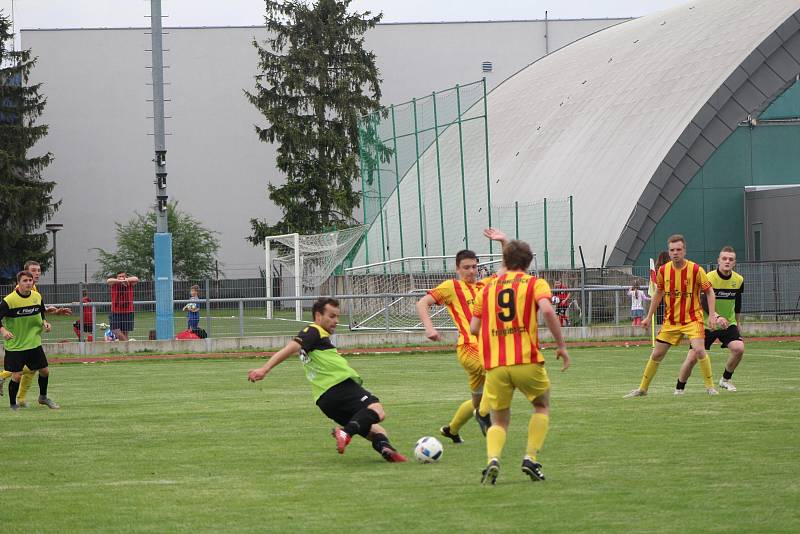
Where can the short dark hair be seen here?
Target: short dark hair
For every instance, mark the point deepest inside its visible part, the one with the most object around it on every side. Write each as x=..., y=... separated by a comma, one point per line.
x=29, y=263
x=122, y=272
x=24, y=273
x=674, y=238
x=465, y=254
x=320, y=303
x=517, y=255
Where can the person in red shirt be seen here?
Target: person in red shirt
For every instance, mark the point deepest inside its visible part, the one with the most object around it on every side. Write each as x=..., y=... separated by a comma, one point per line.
x=122, y=304
x=88, y=317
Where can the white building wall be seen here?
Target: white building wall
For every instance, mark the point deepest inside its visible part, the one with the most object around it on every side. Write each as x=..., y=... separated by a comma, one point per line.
x=95, y=81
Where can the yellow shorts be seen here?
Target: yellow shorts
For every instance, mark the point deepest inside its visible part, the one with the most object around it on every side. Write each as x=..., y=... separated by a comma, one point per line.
x=470, y=360
x=672, y=334
x=530, y=378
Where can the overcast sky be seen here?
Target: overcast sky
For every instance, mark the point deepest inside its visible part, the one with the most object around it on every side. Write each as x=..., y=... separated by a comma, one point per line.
x=131, y=13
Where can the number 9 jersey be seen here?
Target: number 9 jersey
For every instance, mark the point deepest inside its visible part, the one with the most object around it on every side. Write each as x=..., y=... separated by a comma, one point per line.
x=507, y=307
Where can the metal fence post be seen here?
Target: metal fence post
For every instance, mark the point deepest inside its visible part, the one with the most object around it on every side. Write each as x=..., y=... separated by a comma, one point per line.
x=397, y=185
x=589, y=318
x=546, y=254
x=488, y=176
x=439, y=174
x=571, y=236
x=208, y=307
x=419, y=182
x=583, y=296
x=81, y=334
x=386, y=312
x=461, y=155
x=241, y=318
x=616, y=307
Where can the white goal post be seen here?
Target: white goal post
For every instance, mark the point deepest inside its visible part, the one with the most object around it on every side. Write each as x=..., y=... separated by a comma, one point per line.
x=306, y=263
x=298, y=305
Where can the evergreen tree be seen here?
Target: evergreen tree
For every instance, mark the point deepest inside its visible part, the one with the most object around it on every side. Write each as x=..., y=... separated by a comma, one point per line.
x=194, y=248
x=25, y=198
x=316, y=81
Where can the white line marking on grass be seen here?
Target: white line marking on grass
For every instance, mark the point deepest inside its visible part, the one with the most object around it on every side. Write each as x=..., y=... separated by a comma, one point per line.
x=113, y=483
x=778, y=356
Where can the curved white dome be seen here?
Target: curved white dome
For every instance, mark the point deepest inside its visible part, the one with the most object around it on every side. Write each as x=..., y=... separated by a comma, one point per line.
x=624, y=118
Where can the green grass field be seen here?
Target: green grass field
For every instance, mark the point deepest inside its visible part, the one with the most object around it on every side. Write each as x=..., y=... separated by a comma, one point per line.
x=191, y=446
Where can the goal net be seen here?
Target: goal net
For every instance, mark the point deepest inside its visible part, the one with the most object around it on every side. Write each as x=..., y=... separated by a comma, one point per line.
x=398, y=284
x=301, y=265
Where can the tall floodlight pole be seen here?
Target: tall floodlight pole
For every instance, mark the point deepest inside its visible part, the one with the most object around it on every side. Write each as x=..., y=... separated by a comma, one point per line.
x=162, y=240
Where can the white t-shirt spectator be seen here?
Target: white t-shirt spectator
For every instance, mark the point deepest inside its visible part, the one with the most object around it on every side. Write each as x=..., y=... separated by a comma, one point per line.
x=637, y=299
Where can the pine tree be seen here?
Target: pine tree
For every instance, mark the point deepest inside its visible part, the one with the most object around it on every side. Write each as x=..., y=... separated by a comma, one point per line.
x=316, y=81
x=25, y=198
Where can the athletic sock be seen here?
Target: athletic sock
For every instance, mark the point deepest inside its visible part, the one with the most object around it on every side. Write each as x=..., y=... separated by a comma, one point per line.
x=362, y=422
x=727, y=375
x=25, y=384
x=495, y=441
x=13, y=387
x=649, y=372
x=43, y=385
x=537, y=431
x=680, y=385
x=379, y=441
x=708, y=374
x=462, y=415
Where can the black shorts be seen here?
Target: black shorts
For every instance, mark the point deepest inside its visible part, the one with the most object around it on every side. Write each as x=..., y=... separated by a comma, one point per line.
x=15, y=360
x=122, y=321
x=344, y=400
x=725, y=336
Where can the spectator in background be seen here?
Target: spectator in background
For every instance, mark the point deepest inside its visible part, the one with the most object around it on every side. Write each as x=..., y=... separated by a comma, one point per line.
x=637, y=303
x=122, y=304
x=192, y=308
x=88, y=317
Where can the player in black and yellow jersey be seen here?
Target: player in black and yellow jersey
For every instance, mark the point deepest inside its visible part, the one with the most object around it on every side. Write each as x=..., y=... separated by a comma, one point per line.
x=728, y=287
x=35, y=269
x=21, y=324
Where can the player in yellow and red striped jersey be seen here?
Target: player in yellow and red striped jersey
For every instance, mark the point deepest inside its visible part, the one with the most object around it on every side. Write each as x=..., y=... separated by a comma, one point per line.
x=504, y=319
x=458, y=295
x=680, y=283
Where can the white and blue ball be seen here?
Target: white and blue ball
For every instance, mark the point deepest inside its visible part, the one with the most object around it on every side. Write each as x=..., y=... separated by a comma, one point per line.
x=428, y=450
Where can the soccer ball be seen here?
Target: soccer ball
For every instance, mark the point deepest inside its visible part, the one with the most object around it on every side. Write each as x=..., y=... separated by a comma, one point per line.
x=555, y=300
x=428, y=450
x=192, y=307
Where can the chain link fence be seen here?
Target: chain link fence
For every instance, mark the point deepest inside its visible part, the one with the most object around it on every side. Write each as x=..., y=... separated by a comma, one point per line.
x=237, y=308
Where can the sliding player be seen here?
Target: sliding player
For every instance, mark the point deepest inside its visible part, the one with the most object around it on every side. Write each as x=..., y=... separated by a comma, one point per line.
x=336, y=386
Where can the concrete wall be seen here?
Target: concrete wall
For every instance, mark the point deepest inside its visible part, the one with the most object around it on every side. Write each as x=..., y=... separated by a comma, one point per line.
x=95, y=81
x=775, y=215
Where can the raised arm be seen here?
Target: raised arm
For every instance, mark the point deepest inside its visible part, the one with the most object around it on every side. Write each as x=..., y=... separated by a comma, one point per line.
x=495, y=234
x=291, y=348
